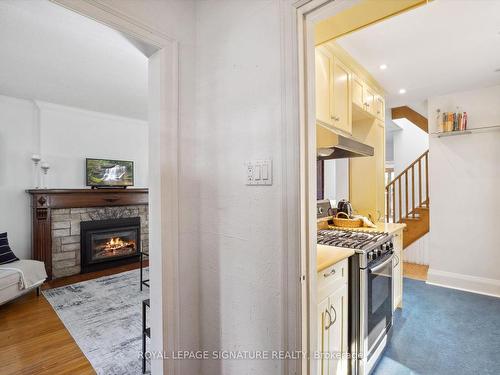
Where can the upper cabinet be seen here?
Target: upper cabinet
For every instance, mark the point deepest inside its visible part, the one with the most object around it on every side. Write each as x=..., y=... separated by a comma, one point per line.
x=366, y=103
x=333, y=91
x=380, y=108
x=341, y=96
x=323, y=86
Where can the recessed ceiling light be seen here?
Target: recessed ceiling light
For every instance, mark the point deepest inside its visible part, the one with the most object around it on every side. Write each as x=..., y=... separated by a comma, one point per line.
x=402, y=91
x=383, y=67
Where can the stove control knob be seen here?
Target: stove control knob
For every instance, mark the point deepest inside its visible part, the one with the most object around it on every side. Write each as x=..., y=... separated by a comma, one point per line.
x=371, y=255
x=379, y=252
x=391, y=245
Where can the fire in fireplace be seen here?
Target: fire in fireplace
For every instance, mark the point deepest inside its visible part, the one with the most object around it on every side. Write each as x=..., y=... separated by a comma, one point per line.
x=109, y=243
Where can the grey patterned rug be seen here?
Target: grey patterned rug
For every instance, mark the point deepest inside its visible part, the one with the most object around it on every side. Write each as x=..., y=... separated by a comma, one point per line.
x=104, y=316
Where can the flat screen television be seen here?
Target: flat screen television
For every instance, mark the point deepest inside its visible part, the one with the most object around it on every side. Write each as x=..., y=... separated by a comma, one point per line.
x=109, y=173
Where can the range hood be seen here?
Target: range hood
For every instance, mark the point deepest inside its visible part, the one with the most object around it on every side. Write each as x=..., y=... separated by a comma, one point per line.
x=331, y=145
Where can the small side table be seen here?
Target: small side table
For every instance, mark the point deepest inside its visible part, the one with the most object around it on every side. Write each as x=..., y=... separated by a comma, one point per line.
x=142, y=280
x=146, y=332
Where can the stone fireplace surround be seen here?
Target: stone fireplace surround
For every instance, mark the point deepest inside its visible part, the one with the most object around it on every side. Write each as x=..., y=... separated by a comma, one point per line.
x=56, y=217
x=66, y=233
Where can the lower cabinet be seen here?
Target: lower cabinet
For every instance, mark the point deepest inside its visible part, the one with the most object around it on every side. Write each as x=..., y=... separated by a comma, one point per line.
x=398, y=270
x=332, y=322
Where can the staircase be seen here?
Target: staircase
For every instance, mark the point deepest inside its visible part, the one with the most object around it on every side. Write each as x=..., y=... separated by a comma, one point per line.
x=407, y=199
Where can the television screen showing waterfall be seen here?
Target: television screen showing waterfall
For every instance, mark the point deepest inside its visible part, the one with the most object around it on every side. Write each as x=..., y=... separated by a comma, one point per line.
x=103, y=172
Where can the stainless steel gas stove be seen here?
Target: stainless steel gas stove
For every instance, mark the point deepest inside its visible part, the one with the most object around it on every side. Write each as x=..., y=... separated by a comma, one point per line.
x=370, y=292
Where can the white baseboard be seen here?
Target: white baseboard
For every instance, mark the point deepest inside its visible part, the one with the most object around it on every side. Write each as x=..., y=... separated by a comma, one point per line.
x=474, y=284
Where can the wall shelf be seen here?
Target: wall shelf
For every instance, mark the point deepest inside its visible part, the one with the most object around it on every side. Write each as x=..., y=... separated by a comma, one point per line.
x=468, y=131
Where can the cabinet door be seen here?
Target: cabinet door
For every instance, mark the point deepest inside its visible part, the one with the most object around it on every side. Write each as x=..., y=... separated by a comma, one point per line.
x=338, y=331
x=323, y=86
x=380, y=108
x=323, y=335
x=369, y=97
x=379, y=149
x=341, y=98
x=357, y=92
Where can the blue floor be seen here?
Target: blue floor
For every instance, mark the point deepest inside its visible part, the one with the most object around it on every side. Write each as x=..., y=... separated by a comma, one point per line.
x=442, y=331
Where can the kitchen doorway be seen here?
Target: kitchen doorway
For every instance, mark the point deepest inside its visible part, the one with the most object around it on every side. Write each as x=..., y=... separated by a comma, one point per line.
x=318, y=22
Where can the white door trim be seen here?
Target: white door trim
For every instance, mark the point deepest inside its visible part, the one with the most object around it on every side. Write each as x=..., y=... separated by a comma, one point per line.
x=164, y=175
x=306, y=13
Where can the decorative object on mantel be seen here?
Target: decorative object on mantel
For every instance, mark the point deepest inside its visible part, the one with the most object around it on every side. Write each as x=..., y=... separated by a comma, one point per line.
x=36, y=172
x=105, y=173
x=45, y=178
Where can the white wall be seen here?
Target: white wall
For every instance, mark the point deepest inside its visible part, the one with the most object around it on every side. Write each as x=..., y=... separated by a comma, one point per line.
x=464, y=181
x=239, y=103
x=409, y=143
x=18, y=141
x=64, y=136
x=69, y=135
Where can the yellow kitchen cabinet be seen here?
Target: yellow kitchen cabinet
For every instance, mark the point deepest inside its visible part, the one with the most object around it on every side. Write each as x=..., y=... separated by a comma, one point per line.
x=380, y=108
x=364, y=100
x=341, y=96
x=380, y=168
x=333, y=91
x=358, y=92
x=369, y=100
x=366, y=174
x=323, y=86
x=333, y=319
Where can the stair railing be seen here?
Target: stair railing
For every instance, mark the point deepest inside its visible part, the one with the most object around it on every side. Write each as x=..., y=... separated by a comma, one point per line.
x=402, y=202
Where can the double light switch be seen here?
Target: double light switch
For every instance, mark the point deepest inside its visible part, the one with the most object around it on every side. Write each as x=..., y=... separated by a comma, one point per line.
x=259, y=172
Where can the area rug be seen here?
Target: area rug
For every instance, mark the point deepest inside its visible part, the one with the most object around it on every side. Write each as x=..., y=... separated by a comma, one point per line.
x=104, y=316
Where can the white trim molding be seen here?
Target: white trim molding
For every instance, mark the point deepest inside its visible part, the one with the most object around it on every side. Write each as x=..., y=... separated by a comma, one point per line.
x=468, y=283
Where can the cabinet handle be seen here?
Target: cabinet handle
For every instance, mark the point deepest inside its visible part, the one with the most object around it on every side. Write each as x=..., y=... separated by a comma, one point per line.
x=335, y=118
x=327, y=326
x=332, y=272
x=397, y=262
x=334, y=314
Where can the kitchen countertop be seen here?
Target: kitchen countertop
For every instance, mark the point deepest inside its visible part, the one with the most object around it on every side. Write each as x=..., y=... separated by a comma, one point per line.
x=381, y=227
x=329, y=255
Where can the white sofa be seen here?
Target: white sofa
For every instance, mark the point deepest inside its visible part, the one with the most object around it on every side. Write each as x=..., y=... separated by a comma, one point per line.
x=20, y=277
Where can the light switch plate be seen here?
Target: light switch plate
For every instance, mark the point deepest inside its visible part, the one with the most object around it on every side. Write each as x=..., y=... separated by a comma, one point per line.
x=259, y=172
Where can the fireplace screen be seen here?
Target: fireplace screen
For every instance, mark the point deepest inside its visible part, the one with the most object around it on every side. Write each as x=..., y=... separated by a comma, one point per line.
x=113, y=244
x=109, y=243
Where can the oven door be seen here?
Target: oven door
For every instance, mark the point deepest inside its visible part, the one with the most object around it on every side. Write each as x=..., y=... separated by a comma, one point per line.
x=376, y=317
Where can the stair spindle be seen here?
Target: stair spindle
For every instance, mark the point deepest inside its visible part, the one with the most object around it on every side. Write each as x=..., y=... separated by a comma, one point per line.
x=419, y=182
x=400, y=204
x=427, y=178
x=406, y=194
x=413, y=190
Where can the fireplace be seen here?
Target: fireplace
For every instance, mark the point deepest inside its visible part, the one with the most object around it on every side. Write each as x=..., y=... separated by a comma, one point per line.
x=109, y=243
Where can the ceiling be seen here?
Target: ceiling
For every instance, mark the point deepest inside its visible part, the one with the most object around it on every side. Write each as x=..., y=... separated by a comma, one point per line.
x=442, y=47
x=52, y=54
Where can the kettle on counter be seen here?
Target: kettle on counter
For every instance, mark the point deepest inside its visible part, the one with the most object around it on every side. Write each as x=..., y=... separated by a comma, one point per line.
x=345, y=206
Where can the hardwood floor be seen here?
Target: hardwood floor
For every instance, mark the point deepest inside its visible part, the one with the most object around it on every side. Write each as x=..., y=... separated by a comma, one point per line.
x=33, y=340
x=415, y=271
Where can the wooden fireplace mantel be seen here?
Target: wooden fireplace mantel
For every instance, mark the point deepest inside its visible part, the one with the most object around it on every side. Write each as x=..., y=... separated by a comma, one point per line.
x=43, y=200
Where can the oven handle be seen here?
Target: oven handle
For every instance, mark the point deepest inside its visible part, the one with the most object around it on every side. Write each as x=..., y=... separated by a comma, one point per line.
x=382, y=265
